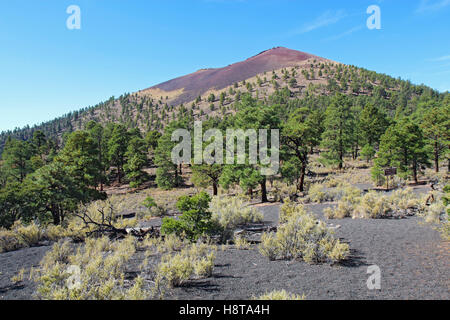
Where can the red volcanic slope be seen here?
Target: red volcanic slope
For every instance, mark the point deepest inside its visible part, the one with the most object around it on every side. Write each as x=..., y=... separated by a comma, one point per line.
x=197, y=83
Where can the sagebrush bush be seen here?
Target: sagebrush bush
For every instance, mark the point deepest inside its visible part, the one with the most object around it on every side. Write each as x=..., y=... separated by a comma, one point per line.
x=176, y=269
x=9, y=241
x=303, y=237
x=342, y=190
x=171, y=243
x=280, y=295
x=231, y=212
x=28, y=235
x=374, y=205
x=280, y=191
x=289, y=209
x=95, y=272
x=241, y=243
x=343, y=210
x=54, y=233
x=317, y=193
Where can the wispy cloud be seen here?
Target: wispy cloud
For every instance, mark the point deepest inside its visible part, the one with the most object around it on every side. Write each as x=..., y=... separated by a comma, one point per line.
x=432, y=5
x=440, y=59
x=324, y=20
x=346, y=33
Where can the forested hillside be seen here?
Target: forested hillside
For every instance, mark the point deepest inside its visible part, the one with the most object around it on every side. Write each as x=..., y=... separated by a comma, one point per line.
x=152, y=108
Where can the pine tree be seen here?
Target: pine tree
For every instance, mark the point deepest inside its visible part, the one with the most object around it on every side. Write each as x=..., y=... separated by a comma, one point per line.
x=372, y=123
x=436, y=128
x=80, y=157
x=337, y=137
x=16, y=159
x=167, y=176
x=299, y=136
x=404, y=146
x=117, y=148
x=136, y=156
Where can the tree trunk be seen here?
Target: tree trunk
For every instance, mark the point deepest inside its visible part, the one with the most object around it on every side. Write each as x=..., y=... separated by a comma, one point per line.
x=341, y=162
x=55, y=215
x=215, y=189
x=415, y=173
x=263, y=191
x=436, y=156
x=301, y=186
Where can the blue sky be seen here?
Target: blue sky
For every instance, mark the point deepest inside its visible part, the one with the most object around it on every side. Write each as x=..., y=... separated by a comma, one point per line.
x=47, y=70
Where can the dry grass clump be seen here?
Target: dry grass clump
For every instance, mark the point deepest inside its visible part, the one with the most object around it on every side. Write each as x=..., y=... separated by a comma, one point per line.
x=231, y=212
x=280, y=295
x=303, y=237
x=441, y=178
x=342, y=190
x=20, y=236
x=18, y=277
x=280, y=191
x=171, y=243
x=318, y=193
x=374, y=205
x=196, y=260
x=241, y=243
x=9, y=241
x=95, y=272
x=438, y=213
x=343, y=210
x=289, y=209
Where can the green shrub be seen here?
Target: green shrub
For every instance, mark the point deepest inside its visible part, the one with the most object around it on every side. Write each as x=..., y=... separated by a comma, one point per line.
x=195, y=220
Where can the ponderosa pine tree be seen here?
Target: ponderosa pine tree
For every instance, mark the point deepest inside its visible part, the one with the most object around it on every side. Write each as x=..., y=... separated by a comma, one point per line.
x=136, y=156
x=117, y=148
x=299, y=136
x=80, y=157
x=404, y=146
x=55, y=190
x=373, y=123
x=152, y=139
x=205, y=175
x=16, y=159
x=436, y=127
x=337, y=137
x=167, y=176
x=97, y=133
x=252, y=115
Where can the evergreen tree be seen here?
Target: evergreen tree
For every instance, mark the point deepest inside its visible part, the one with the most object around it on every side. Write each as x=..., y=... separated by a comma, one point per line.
x=299, y=136
x=337, y=137
x=167, y=176
x=16, y=159
x=97, y=133
x=136, y=156
x=117, y=148
x=80, y=157
x=404, y=146
x=372, y=123
x=436, y=128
